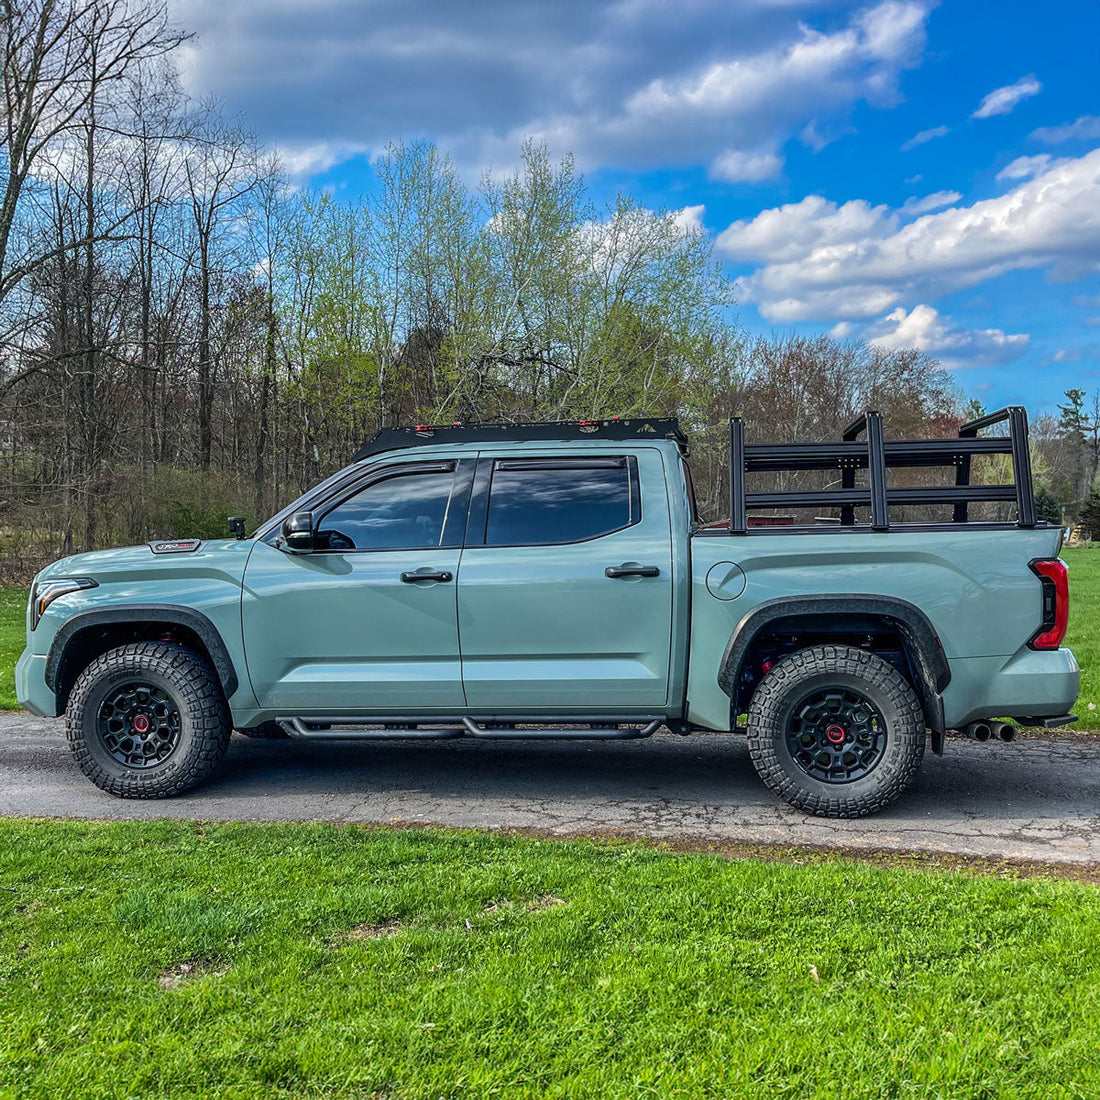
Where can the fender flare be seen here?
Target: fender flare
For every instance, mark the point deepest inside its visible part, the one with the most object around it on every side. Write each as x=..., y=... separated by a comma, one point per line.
x=919, y=638
x=170, y=614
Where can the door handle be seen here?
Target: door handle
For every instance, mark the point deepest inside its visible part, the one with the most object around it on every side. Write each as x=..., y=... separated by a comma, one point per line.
x=426, y=575
x=614, y=571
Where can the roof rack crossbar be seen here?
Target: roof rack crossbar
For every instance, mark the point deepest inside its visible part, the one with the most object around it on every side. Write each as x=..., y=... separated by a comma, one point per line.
x=876, y=456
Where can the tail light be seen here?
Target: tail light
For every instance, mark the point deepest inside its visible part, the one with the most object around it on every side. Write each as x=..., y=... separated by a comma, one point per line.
x=1054, y=577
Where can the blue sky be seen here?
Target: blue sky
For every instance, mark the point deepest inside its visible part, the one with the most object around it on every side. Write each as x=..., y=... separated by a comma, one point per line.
x=911, y=173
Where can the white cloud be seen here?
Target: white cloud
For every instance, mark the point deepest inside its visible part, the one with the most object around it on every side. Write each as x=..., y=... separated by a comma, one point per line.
x=689, y=220
x=925, y=136
x=1002, y=100
x=935, y=201
x=842, y=330
x=926, y=330
x=1023, y=168
x=735, y=166
x=1076, y=354
x=821, y=261
x=309, y=159
x=620, y=84
x=801, y=228
x=1085, y=128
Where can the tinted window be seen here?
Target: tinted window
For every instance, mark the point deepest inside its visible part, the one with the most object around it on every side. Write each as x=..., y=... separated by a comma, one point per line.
x=403, y=512
x=532, y=503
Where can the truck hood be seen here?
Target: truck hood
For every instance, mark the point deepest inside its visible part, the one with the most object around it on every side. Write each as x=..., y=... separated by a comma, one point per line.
x=223, y=559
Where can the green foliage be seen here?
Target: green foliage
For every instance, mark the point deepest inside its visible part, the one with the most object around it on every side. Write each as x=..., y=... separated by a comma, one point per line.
x=160, y=959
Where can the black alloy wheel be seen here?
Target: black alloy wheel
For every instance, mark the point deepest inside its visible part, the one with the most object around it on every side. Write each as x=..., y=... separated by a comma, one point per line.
x=139, y=724
x=837, y=735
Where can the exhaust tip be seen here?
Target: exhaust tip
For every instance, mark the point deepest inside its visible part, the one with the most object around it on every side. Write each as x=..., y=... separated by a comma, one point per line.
x=979, y=731
x=1006, y=731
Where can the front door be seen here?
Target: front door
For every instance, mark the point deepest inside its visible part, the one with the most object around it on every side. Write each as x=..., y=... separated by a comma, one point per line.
x=367, y=622
x=565, y=586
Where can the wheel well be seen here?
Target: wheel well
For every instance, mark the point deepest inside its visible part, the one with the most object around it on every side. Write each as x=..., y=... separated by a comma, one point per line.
x=780, y=636
x=93, y=641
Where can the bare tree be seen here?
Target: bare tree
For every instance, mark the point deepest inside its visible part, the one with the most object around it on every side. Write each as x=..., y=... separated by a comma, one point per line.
x=57, y=55
x=220, y=170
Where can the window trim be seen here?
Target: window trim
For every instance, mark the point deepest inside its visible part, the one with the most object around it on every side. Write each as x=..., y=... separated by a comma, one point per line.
x=477, y=527
x=454, y=517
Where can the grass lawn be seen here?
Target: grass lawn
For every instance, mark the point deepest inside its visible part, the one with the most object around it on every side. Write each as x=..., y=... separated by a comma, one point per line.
x=13, y=636
x=1083, y=636
x=167, y=960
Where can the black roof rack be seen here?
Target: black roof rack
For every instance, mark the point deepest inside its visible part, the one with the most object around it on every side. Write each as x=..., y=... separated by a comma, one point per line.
x=422, y=435
x=876, y=455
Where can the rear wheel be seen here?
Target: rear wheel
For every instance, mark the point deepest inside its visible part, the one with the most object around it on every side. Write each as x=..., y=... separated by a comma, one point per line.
x=148, y=720
x=836, y=731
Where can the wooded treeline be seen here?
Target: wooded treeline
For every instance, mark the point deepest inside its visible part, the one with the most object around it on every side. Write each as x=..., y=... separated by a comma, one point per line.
x=183, y=333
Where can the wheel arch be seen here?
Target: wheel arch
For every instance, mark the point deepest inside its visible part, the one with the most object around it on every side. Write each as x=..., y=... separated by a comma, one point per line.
x=841, y=618
x=88, y=634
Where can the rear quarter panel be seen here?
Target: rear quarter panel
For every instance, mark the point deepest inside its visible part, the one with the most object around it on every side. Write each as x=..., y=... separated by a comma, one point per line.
x=973, y=584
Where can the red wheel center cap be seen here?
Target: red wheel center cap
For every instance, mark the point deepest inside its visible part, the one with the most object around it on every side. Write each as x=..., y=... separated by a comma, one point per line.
x=835, y=735
x=141, y=724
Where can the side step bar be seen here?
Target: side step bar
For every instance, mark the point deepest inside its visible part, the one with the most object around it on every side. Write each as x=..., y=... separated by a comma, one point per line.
x=627, y=728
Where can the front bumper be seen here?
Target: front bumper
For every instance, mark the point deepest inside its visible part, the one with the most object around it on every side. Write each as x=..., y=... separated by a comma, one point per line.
x=30, y=685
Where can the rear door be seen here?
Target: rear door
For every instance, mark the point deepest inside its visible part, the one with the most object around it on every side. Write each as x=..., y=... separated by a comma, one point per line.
x=565, y=585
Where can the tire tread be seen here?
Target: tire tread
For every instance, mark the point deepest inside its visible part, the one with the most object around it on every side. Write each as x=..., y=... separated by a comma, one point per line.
x=201, y=697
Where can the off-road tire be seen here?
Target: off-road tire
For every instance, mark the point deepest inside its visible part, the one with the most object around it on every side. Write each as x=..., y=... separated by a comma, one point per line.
x=819, y=668
x=266, y=731
x=191, y=684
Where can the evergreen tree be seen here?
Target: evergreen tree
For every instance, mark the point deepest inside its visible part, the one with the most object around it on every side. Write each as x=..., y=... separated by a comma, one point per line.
x=1047, y=508
x=1090, y=514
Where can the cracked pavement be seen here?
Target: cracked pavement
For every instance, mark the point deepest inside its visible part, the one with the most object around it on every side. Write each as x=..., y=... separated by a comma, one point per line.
x=1032, y=799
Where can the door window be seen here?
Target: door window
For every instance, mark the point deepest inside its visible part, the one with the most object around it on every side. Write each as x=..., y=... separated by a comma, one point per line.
x=544, y=501
x=406, y=511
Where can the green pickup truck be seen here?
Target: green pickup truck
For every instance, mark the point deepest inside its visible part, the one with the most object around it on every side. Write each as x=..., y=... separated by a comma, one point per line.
x=553, y=580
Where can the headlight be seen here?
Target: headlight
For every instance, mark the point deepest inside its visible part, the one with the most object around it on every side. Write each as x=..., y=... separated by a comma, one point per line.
x=45, y=592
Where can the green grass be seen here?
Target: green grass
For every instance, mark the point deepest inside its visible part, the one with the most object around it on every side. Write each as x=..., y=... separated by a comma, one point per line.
x=1083, y=637
x=170, y=960
x=13, y=636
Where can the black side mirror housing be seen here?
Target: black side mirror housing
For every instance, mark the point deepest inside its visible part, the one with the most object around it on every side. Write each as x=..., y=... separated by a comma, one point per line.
x=297, y=533
x=236, y=526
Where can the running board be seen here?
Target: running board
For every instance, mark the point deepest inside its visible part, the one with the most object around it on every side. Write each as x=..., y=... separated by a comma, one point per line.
x=436, y=729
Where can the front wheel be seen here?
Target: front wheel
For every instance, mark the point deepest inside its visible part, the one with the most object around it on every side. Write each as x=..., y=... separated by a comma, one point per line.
x=148, y=720
x=836, y=731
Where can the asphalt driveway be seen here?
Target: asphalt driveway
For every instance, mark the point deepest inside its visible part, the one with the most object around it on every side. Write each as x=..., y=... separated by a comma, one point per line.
x=1033, y=799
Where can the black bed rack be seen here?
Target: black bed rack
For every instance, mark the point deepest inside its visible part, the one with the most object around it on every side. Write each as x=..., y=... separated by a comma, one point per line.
x=423, y=435
x=876, y=455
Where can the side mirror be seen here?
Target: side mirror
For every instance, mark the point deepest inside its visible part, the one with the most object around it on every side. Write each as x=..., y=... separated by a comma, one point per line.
x=237, y=526
x=297, y=533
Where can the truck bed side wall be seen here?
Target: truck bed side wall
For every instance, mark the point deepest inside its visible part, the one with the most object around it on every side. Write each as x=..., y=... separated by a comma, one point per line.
x=973, y=584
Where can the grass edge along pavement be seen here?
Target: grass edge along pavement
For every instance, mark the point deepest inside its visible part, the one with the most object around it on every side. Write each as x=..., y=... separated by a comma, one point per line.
x=166, y=959
x=1083, y=637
